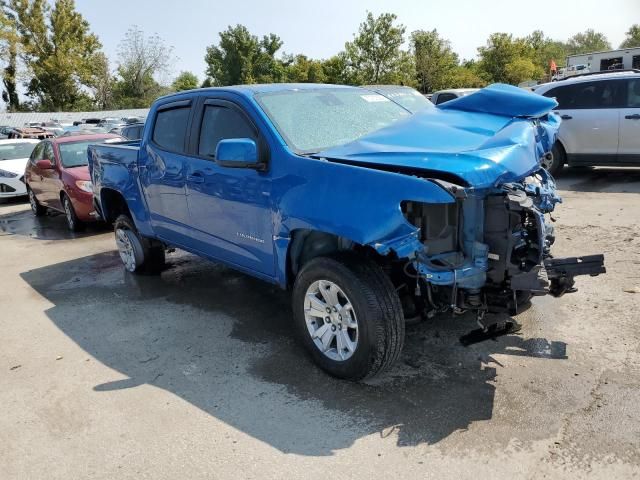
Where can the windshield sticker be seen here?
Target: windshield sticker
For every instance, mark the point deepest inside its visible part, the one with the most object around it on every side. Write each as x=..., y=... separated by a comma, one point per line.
x=374, y=98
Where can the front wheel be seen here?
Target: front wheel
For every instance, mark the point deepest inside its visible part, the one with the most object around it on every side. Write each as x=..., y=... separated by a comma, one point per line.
x=37, y=209
x=554, y=160
x=348, y=316
x=73, y=223
x=138, y=254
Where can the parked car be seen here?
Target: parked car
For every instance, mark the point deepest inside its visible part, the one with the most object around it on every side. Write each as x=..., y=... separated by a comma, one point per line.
x=132, y=131
x=600, y=120
x=57, y=178
x=445, y=95
x=30, y=132
x=369, y=214
x=14, y=155
x=406, y=97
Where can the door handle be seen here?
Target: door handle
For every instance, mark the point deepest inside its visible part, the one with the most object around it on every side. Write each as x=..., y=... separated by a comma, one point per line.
x=566, y=117
x=635, y=116
x=195, y=177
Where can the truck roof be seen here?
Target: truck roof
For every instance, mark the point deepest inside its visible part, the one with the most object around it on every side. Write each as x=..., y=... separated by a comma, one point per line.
x=251, y=90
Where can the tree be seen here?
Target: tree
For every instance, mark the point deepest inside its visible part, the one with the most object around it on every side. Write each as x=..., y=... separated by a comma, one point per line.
x=58, y=50
x=587, y=42
x=102, y=83
x=9, y=42
x=500, y=55
x=241, y=58
x=633, y=37
x=141, y=61
x=522, y=69
x=435, y=62
x=301, y=69
x=185, y=81
x=374, y=54
x=336, y=70
x=545, y=49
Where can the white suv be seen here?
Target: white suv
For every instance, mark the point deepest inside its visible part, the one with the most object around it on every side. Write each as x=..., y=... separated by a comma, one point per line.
x=600, y=120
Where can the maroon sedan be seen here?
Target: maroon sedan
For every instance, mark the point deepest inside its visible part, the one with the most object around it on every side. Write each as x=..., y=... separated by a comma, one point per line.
x=57, y=177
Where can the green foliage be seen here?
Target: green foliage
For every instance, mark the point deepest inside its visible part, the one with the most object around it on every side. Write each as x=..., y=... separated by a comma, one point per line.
x=374, y=55
x=435, y=62
x=141, y=60
x=500, y=55
x=59, y=52
x=241, y=58
x=545, y=49
x=632, y=37
x=302, y=69
x=9, y=44
x=185, y=81
x=587, y=42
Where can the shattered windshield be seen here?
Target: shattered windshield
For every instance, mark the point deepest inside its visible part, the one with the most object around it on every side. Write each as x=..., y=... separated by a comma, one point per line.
x=313, y=120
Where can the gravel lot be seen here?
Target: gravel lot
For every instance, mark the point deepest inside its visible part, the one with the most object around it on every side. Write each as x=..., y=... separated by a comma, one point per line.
x=195, y=374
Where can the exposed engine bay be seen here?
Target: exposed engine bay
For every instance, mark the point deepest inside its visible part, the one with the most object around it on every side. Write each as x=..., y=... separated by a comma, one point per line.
x=490, y=251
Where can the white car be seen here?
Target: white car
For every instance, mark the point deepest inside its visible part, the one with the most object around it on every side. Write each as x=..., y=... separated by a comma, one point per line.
x=14, y=155
x=445, y=95
x=600, y=115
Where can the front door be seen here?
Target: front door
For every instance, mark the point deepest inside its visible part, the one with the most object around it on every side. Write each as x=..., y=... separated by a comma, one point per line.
x=51, y=182
x=230, y=208
x=629, y=151
x=162, y=172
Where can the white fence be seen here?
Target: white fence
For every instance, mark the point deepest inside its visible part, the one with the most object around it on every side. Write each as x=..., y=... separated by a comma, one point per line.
x=20, y=119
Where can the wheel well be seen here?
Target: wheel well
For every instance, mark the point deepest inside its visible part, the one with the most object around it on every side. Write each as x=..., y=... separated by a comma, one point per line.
x=113, y=204
x=564, y=151
x=308, y=244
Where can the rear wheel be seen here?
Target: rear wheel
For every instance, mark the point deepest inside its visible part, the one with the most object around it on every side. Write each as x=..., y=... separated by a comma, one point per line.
x=138, y=254
x=73, y=223
x=555, y=160
x=348, y=316
x=37, y=209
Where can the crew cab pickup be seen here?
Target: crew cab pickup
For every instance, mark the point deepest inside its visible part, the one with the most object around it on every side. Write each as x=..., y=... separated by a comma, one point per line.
x=370, y=215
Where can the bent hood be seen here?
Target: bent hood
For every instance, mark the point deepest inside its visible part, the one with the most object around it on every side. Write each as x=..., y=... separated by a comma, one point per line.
x=497, y=137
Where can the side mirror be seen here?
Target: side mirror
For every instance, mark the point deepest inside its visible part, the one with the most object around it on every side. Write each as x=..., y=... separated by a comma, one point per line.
x=237, y=153
x=45, y=164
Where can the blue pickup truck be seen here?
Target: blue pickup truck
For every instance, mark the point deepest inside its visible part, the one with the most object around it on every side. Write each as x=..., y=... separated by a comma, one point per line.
x=372, y=216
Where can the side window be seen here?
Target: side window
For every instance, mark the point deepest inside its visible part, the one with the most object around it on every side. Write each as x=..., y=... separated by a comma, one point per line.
x=633, y=93
x=47, y=152
x=219, y=123
x=445, y=97
x=587, y=95
x=170, y=128
x=37, y=153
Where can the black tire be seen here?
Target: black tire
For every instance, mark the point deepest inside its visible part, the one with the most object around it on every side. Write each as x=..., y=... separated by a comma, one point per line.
x=73, y=223
x=558, y=159
x=376, y=305
x=37, y=209
x=148, y=254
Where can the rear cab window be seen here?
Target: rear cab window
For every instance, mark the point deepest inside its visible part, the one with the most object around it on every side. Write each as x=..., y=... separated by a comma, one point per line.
x=170, y=126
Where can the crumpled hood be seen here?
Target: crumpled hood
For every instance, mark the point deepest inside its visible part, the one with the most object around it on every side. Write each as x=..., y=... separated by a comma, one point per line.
x=498, y=136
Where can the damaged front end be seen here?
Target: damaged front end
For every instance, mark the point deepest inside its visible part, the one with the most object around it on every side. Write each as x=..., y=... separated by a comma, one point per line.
x=490, y=251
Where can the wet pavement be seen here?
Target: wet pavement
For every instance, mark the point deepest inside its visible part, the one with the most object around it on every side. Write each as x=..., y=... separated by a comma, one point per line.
x=195, y=373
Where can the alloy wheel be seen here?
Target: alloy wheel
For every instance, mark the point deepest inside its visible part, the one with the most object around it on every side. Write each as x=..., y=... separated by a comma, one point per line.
x=331, y=320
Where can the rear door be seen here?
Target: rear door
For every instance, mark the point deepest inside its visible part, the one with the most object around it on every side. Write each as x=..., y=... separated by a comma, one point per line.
x=629, y=151
x=230, y=207
x=163, y=171
x=34, y=174
x=590, y=123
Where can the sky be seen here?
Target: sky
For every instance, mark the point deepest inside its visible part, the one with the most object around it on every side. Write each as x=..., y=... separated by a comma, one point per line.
x=320, y=29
